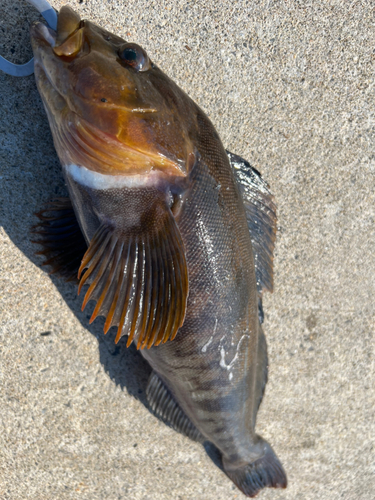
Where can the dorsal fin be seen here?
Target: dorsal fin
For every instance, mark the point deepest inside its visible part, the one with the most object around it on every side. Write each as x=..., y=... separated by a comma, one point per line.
x=138, y=277
x=165, y=407
x=261, y=218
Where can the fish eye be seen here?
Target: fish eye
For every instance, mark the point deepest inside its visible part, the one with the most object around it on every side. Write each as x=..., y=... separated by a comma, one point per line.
x=134, y=56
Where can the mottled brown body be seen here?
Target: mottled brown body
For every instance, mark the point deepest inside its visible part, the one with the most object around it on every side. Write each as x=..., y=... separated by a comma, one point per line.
x=161, y=209
x=222, y=312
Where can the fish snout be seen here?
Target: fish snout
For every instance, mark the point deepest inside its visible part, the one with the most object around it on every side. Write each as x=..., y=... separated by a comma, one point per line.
x=41, y=34
x=68, y=23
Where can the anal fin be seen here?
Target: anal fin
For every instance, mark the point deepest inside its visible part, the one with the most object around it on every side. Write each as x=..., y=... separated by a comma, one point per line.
x=166, y=408
x=61, y=238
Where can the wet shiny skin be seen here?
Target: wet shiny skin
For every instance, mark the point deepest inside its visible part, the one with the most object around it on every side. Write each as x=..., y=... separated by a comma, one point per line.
x=112, y=119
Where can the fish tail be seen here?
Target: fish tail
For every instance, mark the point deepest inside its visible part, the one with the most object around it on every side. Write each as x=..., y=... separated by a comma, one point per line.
x=263, y=472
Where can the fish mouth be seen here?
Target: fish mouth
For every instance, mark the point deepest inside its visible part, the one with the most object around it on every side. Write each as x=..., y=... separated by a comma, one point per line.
x=43, y=39
x=39, y=31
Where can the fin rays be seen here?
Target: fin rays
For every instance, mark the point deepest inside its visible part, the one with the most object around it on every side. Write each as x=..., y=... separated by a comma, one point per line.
x=265, y=472
x=60, y=236
x=166, y=407
x=139, y=283
x=261, y=218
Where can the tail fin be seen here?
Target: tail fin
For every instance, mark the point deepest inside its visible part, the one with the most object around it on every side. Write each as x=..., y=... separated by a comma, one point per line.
x=264, y=472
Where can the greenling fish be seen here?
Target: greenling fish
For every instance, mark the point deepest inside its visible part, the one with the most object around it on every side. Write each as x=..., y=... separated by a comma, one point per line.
x=174, y=236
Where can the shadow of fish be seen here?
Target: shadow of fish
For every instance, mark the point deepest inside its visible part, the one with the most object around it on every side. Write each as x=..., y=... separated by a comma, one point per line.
x=172, y=234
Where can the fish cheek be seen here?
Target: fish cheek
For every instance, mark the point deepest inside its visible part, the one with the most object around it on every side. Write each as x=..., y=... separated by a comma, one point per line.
x=137, y=132
x=86, y=100
x=168, y=136
x=103, y=79
x=104, y=119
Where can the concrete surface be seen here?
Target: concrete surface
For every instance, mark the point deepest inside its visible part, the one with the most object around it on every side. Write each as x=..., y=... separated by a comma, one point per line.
x=289, y=86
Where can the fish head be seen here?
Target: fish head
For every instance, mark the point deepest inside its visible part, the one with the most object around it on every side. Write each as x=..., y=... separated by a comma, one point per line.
x=110, y=108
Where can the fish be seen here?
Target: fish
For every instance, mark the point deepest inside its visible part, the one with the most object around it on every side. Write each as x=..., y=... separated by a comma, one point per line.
x=168, y=233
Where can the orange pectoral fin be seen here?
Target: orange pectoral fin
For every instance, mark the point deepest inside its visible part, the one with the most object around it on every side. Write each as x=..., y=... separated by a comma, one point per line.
x=139, y=280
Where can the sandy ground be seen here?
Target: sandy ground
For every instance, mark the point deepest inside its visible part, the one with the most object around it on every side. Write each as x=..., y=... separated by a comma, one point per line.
x=289, y=86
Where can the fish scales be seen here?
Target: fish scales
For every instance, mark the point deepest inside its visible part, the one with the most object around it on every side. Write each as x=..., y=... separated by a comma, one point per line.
x=222, y=276
x=172, y=224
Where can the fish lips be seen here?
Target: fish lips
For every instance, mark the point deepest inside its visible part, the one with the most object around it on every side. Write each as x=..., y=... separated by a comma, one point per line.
x=43, y=39
x=42, y=35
